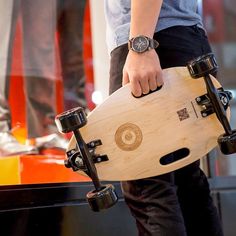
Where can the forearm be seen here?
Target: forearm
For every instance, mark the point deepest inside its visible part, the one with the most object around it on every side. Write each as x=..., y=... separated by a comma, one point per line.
x=144, y=17
x=143, y=70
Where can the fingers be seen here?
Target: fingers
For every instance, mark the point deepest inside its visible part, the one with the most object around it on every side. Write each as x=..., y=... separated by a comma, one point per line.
x=152, y=84
x=136, y=89
x=143, y=72
x=154, y=80
x=147, y=83
x=143, y=84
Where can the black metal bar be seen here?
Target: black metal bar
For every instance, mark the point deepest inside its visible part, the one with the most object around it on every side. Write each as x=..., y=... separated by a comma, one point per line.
x=88, y=160
x=217, y=105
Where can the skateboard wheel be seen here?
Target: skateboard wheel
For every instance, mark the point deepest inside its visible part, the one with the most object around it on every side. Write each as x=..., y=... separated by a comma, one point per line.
x=227, y=143
x=102, y=199
x=202, y=66
x=71, y=120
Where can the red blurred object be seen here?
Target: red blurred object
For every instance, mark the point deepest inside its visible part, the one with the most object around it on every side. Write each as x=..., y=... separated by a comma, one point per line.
x=213, y=15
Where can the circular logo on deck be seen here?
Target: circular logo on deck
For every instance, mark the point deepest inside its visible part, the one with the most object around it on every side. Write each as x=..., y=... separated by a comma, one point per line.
x=128, y=137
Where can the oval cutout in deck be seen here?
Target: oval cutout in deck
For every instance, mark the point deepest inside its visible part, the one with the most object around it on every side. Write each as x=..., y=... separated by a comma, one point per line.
x=174, y=156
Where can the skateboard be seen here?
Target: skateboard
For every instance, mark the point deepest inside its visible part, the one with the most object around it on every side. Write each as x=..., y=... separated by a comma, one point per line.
x=129, y=138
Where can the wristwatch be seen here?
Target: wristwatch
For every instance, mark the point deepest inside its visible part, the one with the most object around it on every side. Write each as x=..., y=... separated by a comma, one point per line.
x=142, y=44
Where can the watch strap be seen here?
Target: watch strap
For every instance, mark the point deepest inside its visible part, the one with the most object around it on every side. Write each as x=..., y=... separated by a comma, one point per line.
x=153, y=44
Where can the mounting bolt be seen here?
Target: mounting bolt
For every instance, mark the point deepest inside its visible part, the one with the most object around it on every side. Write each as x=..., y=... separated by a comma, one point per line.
x=198, y=99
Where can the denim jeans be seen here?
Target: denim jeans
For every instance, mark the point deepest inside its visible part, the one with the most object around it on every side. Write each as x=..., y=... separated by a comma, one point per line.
x=178, y=203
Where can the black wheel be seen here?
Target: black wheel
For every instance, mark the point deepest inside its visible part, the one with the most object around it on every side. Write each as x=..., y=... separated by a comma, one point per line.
x=202, y=66
x=103, y=199
x=71, y=120
x=227, y=143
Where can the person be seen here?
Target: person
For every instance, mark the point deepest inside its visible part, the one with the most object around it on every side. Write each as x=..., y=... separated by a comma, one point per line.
x=144, y=37
x=70, y=18
x=39, y=68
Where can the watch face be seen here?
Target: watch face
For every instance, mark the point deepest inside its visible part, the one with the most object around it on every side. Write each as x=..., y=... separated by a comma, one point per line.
x=140, y=44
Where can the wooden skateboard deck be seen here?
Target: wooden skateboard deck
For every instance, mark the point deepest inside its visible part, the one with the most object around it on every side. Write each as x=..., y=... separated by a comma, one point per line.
x=137, y=133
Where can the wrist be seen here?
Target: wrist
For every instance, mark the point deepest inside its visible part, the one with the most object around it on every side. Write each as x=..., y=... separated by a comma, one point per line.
x=142, y=43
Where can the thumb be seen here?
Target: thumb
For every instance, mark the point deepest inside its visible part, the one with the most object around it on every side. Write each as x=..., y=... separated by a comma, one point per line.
x=125, y=79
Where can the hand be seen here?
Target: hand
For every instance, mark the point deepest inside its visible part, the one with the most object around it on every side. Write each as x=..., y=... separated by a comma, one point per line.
x=143, y=72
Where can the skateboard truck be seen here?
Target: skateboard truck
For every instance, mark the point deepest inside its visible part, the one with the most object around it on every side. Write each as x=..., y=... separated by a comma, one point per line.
x=205, y=102
x=103, y=196
x=216, y=100
x=75, y=160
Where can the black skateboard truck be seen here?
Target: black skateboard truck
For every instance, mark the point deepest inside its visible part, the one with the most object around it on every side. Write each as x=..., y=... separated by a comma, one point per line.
x=215, y=100
x=83, y=158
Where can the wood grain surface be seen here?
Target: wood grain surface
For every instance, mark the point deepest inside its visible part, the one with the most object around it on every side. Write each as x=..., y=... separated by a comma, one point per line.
x=137, y=132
